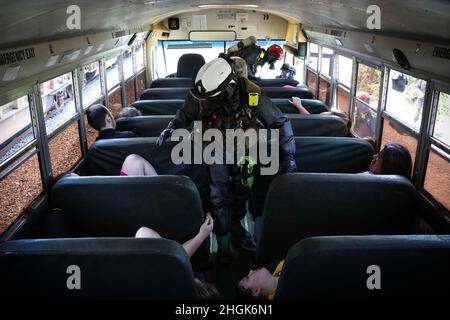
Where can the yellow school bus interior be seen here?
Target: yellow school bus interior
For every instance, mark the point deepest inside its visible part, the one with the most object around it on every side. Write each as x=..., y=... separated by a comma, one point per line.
x=354, y=81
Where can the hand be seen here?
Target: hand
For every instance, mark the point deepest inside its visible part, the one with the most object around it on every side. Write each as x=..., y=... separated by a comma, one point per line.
x=163, y=137
x=207, y=226
x=297, y=102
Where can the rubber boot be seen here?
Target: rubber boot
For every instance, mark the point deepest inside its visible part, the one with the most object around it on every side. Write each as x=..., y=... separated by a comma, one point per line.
x=224, y=249
x=244, y=238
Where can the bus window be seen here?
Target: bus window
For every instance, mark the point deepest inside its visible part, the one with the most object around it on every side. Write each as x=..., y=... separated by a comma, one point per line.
x=442, y=125
x=313, y=58
x=326, y=67
x=230, y=44
x=57, y=101
x=65, y=149
x=90, y=83
x=405, y=98
x=140, y=84
x=365, y=103
x=19, y=189
x=437, y=178
x=140, y=58
x=115, y=101
x=15, y=127
x=171, y=51
x=344, y=82
x=265, y=72
x=326, y=71
x=129, y=91
x=128, y=63
x=112, y=73
x=299, y=64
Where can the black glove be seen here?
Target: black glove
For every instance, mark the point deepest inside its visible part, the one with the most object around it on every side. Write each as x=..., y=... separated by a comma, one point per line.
x=163, y=137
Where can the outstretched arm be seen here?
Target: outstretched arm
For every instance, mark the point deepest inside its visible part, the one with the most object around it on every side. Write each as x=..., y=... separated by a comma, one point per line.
x=297, y=102
x=193, y=244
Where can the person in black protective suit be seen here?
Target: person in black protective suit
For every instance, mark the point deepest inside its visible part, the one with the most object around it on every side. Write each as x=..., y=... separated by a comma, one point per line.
x=223, y=100
x=255, y=56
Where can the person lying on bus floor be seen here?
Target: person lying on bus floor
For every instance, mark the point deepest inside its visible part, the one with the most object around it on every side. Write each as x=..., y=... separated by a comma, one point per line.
x=189, y=246
x=129, y=112
x=135, y=165
x=260, y=284
x=392, y=159
x=101, y=119
x=297, y=103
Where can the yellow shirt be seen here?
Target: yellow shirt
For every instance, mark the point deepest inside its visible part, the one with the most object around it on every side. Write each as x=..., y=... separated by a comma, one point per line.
x=276, y=273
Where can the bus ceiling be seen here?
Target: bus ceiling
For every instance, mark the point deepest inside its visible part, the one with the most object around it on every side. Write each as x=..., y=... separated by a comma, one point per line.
x=51, y=19
x=48, y=34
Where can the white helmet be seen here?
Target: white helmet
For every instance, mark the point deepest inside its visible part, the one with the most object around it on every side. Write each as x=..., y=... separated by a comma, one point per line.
x=213, y=78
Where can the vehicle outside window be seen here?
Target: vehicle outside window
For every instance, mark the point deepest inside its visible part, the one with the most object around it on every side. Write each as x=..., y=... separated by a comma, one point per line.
x=112, y=73
x=15, y=127
x=90, y=83
x=57, y=101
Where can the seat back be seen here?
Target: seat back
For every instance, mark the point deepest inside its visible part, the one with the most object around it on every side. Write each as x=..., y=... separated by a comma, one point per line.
x=315, y=125
x=158, y=107
x=144, y=126
x=99, y=206
x=105, y=157
x=305, y=205
x=287, y=93
x=189, y=64
x=181, y=93
x=164, y=93
x=275, y=82
x=172, y=83
x=170, y=107
x=113, y=268
x=313, y=106
x=322, y=155
x=410, y=267
x=302, y=125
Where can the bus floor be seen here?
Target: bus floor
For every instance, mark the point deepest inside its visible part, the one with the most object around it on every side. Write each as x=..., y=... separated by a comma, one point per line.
x=226, y=277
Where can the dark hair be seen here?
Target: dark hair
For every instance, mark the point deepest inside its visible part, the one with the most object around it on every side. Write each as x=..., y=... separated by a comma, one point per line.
x=244, y=293
x=129, y=112
x=96, y=115
x=206, y=290
x=396, y=159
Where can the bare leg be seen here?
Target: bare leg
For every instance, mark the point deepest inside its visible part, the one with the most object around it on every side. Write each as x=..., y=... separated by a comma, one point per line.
x=135, y=165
